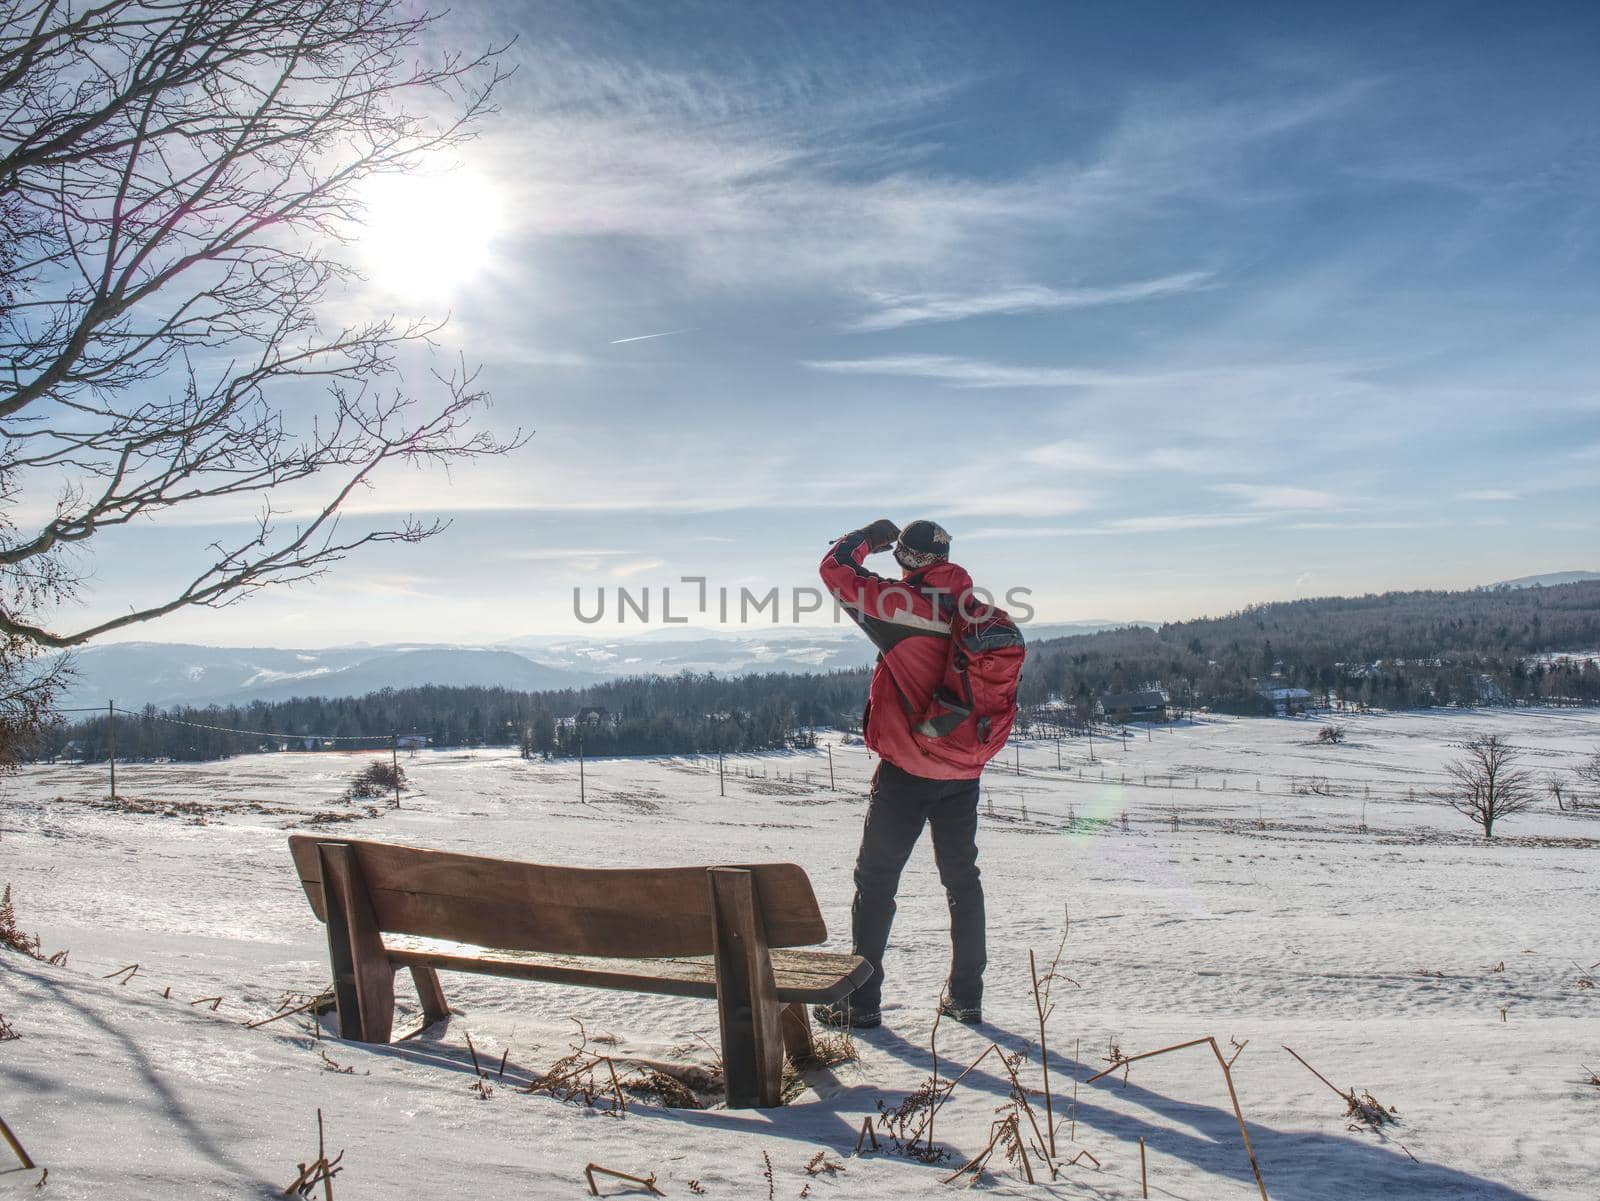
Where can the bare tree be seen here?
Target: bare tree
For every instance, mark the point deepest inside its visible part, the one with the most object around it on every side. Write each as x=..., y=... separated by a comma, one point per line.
x=1557, y=789
x=1588, y=772
x=1484, y=784
x=176, y=179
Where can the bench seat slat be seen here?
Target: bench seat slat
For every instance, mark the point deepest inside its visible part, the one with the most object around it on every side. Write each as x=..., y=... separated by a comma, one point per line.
x=801, y=975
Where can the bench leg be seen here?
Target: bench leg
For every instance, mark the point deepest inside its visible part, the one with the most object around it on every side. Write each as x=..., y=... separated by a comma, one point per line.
x=747, y=996
x=363, y=977
x=434, y=1006
x=797, y=1031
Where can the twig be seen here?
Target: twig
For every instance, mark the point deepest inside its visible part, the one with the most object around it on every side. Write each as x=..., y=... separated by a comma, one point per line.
x=132, y=969
x=1144, y=1176
x=1227, y=1077
x=316, y=1000
x=647, y=1182
x=867, y=1132
x=474, y=1052
x=215, y=1001
x=11, y=1140
x=1343, y=1095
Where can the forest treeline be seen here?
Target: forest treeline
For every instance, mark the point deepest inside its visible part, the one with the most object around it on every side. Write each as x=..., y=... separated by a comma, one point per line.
x=1398, y=650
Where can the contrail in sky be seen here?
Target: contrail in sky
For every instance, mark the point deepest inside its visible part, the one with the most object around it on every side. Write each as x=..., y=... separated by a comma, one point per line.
x=647, y=337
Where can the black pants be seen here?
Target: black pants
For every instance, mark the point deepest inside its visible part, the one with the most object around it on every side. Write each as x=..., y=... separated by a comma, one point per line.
x=899, y=807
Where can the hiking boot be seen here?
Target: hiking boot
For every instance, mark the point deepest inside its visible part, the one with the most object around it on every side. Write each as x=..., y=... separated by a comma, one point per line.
x=967, y=1015
x=843, y=1015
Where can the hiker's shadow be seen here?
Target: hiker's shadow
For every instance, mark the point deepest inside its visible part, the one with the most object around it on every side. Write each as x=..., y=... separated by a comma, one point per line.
x=1296, y=1165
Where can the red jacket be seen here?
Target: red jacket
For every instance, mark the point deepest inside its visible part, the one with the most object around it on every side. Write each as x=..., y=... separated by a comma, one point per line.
x=909, y=622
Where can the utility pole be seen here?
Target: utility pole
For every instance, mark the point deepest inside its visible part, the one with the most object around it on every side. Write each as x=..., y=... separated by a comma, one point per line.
x=111, y=737
x=1019, y=758
x=831, y=788
x=1058, y=754
x=394, y=759
x=722, y=784
x=582, y=796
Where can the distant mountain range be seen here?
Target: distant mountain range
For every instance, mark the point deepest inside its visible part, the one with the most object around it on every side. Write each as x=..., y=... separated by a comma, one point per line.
x=169, y=674
x=1549, y=580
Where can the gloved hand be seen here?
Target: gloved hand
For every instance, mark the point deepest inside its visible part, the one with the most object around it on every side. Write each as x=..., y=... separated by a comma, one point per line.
x=881, y=534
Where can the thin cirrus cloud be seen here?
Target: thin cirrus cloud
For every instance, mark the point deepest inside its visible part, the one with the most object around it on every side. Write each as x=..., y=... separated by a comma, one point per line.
x=1162, y=523
x=897, y=311
x=1275, y=496
x=974, y=373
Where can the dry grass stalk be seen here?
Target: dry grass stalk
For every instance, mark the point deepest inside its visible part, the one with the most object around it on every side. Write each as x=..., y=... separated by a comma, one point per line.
x=321, y=1170
x=132, y=969
x=645, y=1182
x=766, y=1174
x=1227, y=1077
x=334, y=1065
x=1594, y=1077
x=7, y=1031
x=1144, y=1175
x=16, y=1146
x=215, y=1001
x=1043, y=1007
x=1366, y=1108
x=14, y=938
x=315, y=1004
x=573, y=1078
x=867, y=1133
x=820, y=1163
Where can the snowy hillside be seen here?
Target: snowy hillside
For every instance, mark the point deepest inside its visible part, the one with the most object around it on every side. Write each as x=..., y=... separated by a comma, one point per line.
x=1337, y=911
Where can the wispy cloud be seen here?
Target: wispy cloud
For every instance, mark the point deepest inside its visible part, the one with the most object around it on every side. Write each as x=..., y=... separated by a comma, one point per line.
x=894, y=311
x=1487, y=494
x=1278, y=496
x=971, y=373
x=1162, y=523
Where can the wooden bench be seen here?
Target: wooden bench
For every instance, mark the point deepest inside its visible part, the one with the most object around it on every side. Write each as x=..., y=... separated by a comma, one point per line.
x=717, y=932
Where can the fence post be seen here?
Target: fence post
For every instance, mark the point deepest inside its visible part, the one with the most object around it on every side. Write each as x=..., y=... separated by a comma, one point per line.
x=582, y=793
x=831, y=788
x=722, y=783
x=394, y=761
x=111, y=737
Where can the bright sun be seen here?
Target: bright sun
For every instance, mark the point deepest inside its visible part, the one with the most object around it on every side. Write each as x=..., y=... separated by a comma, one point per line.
x=426, y=237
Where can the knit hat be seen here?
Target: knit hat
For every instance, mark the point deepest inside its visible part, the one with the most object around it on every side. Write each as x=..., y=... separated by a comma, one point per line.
x=922, y=543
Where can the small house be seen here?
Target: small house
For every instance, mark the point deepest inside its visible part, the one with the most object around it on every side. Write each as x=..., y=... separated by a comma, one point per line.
x=1286, y=702
x=1149, y=704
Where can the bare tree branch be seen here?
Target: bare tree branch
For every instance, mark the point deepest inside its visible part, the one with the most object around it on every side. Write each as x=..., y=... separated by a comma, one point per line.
x=175, y=179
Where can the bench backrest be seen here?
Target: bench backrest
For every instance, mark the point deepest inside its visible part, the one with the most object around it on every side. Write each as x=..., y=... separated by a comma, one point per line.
x=624, y=913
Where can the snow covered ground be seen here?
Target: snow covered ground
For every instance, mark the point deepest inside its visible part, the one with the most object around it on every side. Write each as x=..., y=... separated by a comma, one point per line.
x=1264, y=887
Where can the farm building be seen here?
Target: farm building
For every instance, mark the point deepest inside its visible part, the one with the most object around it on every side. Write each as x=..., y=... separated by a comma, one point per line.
x=1286, y=702
x=1148, y=704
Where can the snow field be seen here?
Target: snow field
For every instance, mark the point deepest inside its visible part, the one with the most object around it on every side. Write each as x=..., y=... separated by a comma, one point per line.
x=1268, y=916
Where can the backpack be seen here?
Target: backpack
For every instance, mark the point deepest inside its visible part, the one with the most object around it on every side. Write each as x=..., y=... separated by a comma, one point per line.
x=971, y=712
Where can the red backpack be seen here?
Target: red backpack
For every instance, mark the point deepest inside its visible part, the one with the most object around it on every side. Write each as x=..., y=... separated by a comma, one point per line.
x=973, y=708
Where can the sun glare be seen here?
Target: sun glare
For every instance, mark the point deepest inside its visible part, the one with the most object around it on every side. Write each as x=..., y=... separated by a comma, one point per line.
x=427, y=237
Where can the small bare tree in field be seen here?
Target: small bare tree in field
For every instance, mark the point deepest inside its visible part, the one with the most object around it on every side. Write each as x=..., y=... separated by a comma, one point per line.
x=1485, y=785
x=1557, y=788
x=176, y=178
x=1589, y=772
x=1332, y=735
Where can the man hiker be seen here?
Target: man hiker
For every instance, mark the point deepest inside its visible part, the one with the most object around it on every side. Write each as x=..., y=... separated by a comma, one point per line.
x=933, y=730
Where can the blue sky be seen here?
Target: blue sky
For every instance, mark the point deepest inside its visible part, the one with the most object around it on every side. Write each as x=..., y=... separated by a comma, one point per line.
x=1161, y=309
